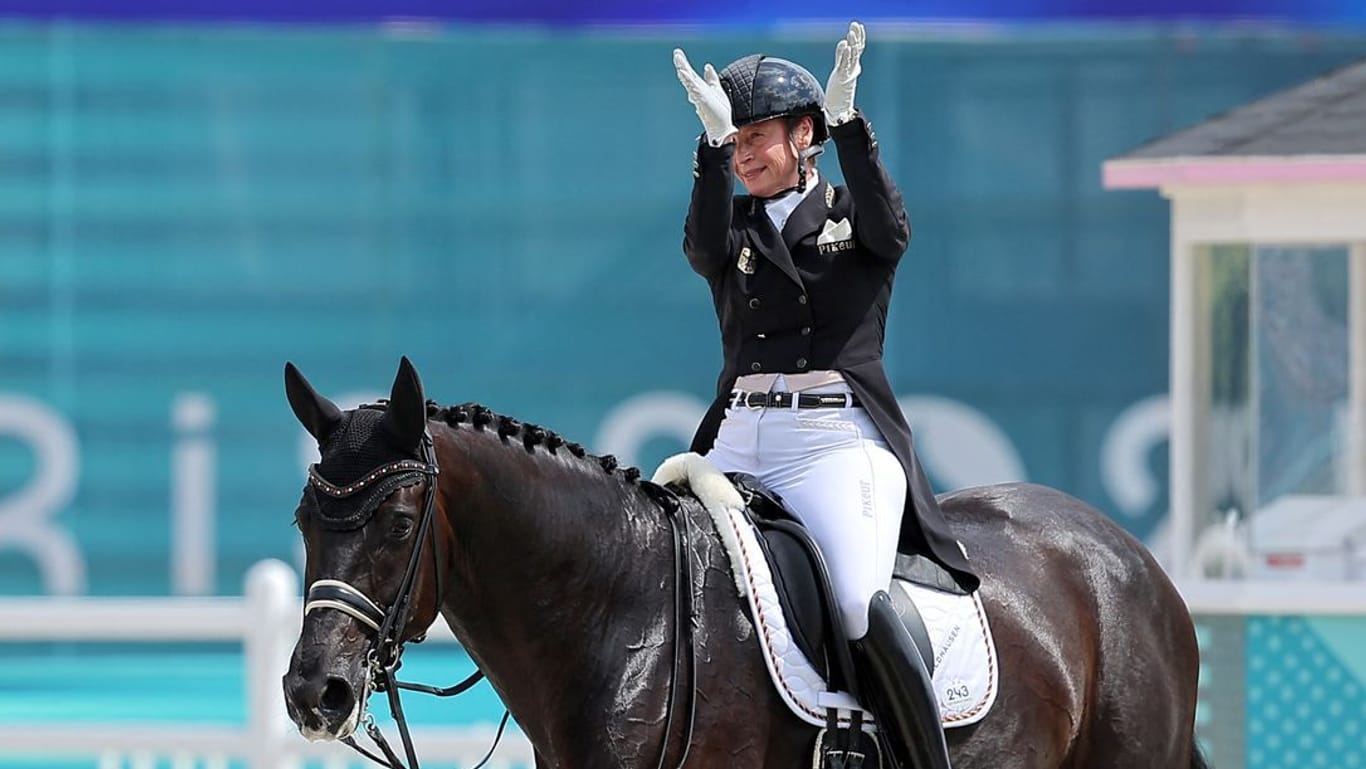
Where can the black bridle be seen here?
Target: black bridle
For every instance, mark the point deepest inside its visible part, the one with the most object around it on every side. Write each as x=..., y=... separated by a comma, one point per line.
x=383, y=659
x=386, y=650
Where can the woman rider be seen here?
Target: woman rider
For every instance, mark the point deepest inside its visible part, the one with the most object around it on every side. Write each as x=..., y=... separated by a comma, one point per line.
x=801, y=275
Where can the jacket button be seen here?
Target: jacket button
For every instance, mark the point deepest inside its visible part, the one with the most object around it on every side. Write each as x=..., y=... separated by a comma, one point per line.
x=801, y=363
x=755, y=366
x=754, y=304
x=801, y=299
x=806, y=331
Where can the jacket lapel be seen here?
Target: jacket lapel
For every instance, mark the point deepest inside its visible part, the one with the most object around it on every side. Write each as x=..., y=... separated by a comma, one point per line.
x=767, y=241
x=808, y=216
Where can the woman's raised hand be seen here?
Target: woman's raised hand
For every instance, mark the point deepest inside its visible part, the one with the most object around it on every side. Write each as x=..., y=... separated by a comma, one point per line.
x=839, y=90
x=708, y=97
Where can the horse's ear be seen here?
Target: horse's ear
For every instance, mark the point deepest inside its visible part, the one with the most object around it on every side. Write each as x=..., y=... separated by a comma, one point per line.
x=405, y=421
x=318, y=415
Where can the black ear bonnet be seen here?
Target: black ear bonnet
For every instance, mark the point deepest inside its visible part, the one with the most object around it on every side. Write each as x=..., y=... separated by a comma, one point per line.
x=360, y=468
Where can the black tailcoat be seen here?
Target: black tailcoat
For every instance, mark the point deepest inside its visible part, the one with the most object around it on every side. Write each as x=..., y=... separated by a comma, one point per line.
x=814, y=297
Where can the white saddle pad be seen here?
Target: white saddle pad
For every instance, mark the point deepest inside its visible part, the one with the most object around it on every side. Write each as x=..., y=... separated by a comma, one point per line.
x=966, y=675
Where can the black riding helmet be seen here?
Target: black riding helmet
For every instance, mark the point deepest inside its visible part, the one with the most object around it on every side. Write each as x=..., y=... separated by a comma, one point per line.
x=762, y=87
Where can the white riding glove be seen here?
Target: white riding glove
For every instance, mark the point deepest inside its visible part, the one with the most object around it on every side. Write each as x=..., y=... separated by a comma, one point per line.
x=839, y=91
x=708, y=97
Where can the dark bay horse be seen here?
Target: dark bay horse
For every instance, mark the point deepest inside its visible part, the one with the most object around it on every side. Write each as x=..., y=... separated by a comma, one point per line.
x=556, y=571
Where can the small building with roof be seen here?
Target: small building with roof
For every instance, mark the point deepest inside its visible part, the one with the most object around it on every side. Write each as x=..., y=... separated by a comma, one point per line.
x=1268, y=339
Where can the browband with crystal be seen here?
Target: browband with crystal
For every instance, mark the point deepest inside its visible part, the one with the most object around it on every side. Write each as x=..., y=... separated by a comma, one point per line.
x=383, y=471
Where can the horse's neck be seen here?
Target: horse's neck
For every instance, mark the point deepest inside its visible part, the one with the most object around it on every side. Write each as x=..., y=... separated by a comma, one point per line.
x=560, y=574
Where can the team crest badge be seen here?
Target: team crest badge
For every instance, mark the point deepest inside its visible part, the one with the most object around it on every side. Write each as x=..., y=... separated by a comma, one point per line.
x=746, y=261
x=829, y=195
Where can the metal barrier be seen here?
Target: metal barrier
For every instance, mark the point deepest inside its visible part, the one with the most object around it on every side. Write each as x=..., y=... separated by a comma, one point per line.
x=266, y=622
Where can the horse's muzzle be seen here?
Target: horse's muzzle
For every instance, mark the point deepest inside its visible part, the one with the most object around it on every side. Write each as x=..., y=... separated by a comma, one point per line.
x=324, y=707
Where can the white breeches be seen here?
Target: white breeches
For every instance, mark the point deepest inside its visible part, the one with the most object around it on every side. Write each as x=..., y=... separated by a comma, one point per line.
x=834, y=470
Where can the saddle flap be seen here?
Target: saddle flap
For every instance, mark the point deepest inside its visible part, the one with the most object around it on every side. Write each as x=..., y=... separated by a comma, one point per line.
x=802, y=582
x=794, y=580
x=919, y=570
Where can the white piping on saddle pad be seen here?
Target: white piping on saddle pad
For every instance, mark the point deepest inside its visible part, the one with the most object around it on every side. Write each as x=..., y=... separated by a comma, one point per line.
x=966, y=673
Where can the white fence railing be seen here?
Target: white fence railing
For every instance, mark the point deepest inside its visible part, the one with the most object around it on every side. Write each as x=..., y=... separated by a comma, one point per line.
x=1274, y=598
x=266, y=622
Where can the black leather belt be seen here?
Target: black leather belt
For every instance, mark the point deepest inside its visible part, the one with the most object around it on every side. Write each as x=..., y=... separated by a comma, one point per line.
x=740, y=399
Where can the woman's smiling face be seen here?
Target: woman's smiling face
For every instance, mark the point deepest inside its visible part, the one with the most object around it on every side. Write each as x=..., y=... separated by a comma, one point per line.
x=764, y=159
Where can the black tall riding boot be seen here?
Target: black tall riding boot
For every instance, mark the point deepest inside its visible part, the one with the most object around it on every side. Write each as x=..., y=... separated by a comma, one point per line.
x=902, y=695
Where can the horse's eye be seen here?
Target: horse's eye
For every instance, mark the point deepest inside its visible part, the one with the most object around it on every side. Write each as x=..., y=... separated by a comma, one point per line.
x=401, y=528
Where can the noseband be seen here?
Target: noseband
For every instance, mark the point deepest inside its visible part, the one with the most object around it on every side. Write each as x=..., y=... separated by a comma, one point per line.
x=382, y=661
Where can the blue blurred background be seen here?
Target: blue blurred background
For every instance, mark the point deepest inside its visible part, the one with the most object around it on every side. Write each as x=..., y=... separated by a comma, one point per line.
x=185, y=206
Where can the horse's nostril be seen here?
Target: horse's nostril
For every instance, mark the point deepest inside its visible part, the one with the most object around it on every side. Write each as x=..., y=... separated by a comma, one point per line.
x=337, y=699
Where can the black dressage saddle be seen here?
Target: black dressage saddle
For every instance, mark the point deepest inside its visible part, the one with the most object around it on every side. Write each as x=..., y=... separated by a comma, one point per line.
x=805, y=593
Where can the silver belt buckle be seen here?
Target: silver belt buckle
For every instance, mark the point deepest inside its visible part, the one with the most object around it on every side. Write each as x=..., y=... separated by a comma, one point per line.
x=763, y=401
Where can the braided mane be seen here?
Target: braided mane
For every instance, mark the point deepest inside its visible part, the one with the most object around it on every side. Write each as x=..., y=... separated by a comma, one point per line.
x=477, y=417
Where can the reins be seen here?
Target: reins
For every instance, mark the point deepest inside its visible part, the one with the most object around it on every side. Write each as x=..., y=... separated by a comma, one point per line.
x=383, y=660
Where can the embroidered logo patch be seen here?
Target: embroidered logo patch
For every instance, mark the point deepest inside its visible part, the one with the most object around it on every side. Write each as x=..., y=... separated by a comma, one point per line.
x=829, y=195
x=835, y=237
x=746, y=261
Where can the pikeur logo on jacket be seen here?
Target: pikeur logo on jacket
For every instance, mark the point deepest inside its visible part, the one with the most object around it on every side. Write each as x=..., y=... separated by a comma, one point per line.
x=835, y=236
x=814, y=297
